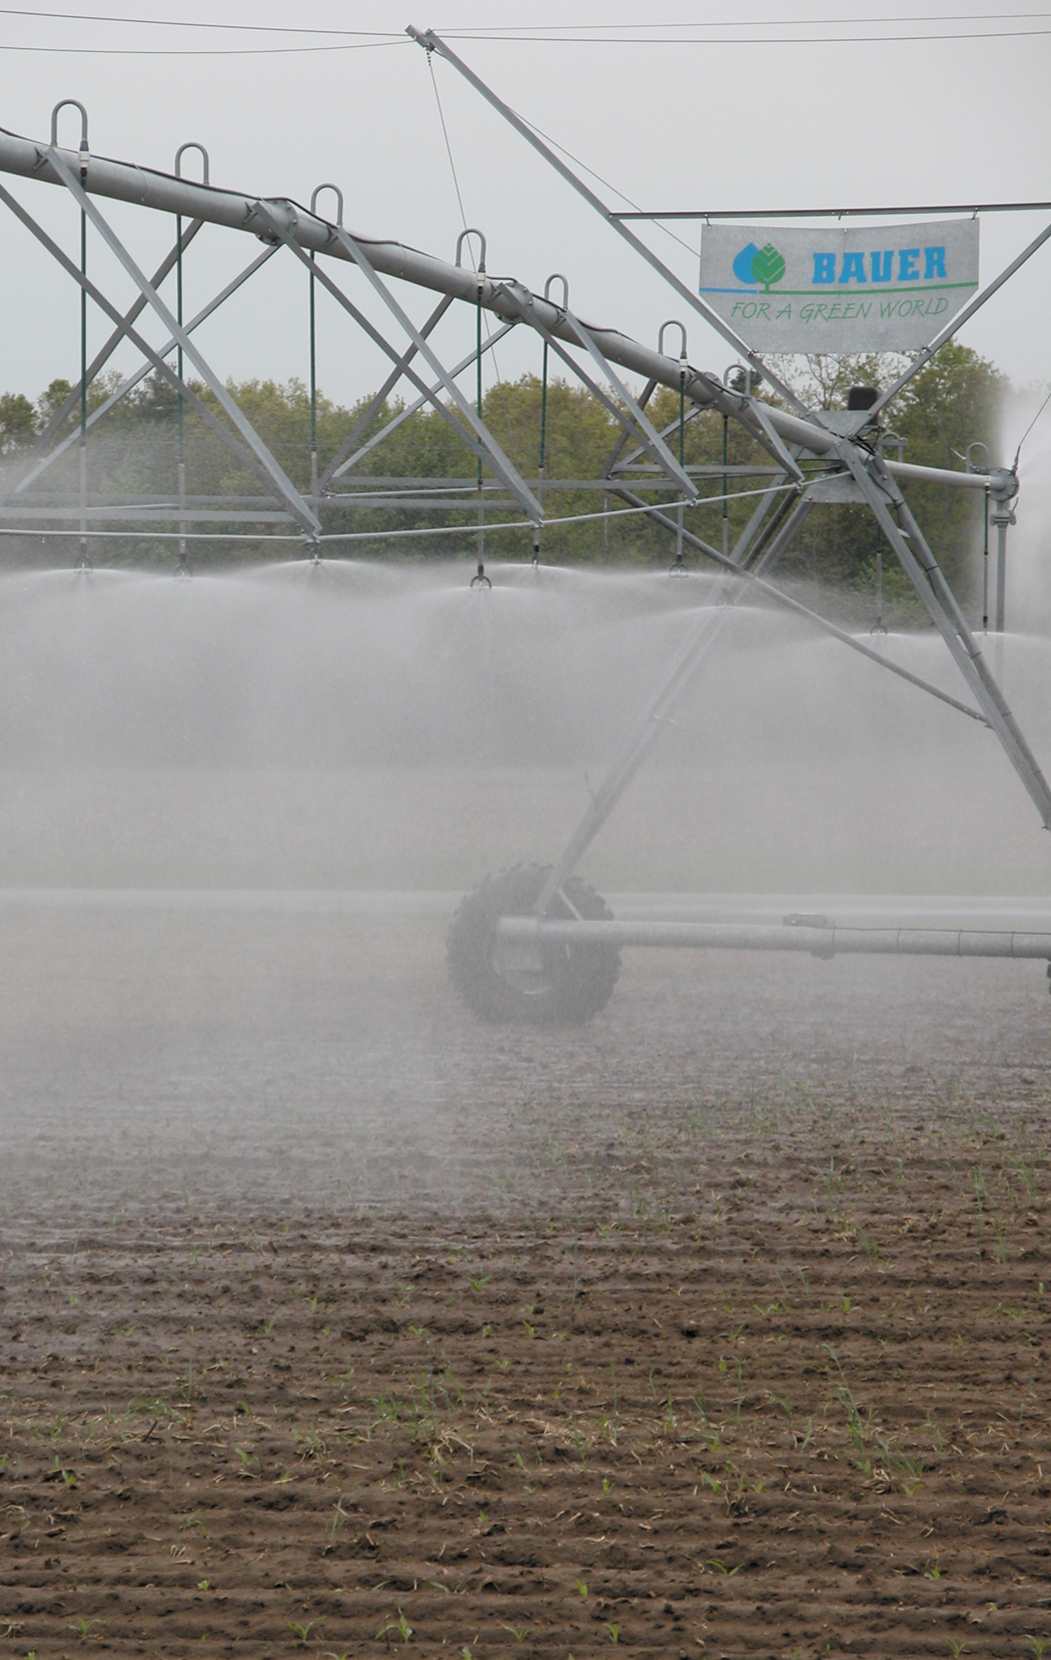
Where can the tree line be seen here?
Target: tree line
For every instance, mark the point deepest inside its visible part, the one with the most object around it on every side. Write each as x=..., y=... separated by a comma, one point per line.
x=133, y=451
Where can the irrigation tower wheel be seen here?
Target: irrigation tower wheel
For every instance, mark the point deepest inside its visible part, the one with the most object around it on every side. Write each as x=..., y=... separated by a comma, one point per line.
x=543, y=986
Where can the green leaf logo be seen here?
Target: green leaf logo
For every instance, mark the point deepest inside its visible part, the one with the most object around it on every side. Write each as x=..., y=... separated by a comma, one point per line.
x=768, y=267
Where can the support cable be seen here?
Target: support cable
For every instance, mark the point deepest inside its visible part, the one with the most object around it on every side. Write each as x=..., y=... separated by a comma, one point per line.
x=1028, y=430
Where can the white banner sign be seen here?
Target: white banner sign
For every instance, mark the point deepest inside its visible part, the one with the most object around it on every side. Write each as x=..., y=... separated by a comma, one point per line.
x=873, y=289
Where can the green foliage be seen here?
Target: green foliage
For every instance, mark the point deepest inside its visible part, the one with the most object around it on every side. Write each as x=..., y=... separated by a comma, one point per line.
x=17, y=422
x=133, y=450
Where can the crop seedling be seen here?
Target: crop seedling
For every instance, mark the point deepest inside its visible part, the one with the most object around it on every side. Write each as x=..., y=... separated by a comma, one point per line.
x=582, y=1588
x=870, y=1248
x=302, y=1632
x=400, y=1625
x=339, y=1516
x=614, y=1633
x=517, y=1632
x=981, y=1192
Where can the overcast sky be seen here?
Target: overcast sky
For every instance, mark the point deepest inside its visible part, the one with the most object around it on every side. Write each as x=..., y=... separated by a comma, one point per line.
x=787, y=119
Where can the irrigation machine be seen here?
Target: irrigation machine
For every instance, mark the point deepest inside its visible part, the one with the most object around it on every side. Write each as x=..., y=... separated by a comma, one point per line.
x=534, y=943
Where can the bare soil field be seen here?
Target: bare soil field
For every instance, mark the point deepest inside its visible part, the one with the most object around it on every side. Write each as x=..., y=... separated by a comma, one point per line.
x=332, y=1321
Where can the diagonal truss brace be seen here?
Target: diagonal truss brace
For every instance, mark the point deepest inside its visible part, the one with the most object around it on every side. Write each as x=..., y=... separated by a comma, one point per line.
x=631, y=418
x=109, y=310
x=623, y=437
x=729, y=591
x=31, y=469
x=497, y=459
x=787, y=461
x=656, y=444
x=880, y=489
x=410, y=409
x=433, y=42
x=619, y=462
x=483, y=440
x=339, y=463
x=788, y=602
x=277, y=475
x=140, y=374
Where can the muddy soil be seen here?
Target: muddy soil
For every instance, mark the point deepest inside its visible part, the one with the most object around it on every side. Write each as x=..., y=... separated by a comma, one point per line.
x=332, y=1321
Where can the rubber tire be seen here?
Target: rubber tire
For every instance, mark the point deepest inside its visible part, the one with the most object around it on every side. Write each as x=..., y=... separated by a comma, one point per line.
x=579, y=978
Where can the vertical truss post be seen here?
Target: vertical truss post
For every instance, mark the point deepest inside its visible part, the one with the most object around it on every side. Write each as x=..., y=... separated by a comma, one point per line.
x=556, y=276
x=85, y=158
x=313, y=389
x=182, y=565
x=478, y=352
x=726, y=501
x=1002, y=517
x=83, y=453
x=313, y=343
x=683, y=368
x=182, y=412
x=985, y=563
